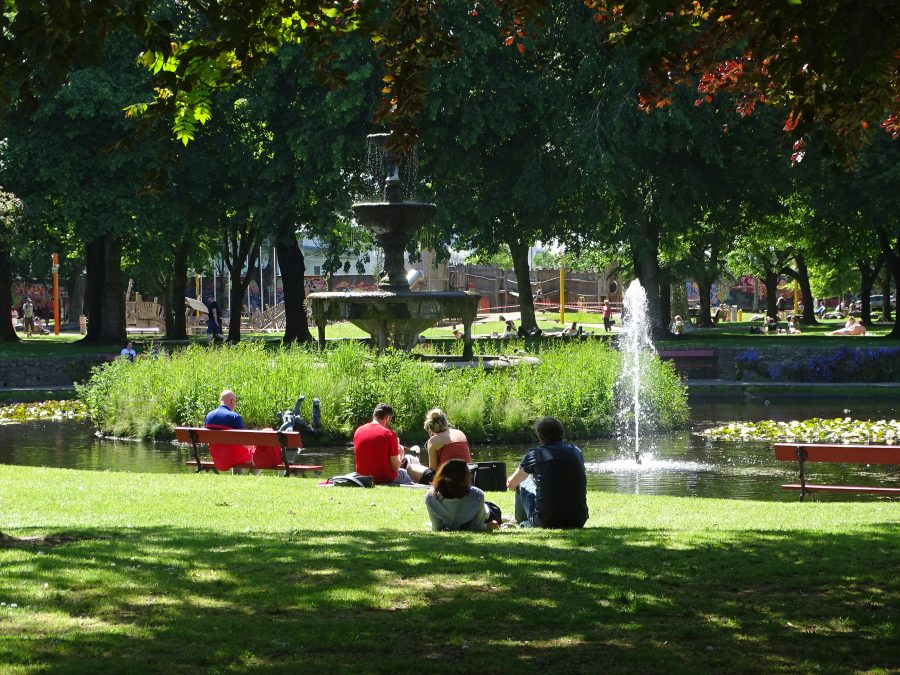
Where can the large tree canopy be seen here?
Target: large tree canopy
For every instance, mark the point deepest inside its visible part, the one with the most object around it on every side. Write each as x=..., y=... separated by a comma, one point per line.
x=832, y=64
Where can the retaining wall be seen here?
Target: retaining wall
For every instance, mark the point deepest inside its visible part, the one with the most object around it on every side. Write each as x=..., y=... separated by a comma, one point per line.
x=47, y=371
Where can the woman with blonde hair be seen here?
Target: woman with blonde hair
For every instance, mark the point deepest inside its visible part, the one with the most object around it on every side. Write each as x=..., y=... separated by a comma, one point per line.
x=444, y=443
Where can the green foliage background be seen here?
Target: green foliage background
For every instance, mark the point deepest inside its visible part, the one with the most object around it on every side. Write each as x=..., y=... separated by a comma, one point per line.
x=573, y=382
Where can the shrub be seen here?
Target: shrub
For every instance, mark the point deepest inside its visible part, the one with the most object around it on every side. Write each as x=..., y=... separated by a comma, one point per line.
x=572, y=381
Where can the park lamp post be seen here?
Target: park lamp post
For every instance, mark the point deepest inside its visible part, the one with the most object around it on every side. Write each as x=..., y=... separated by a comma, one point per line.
x=55, y=268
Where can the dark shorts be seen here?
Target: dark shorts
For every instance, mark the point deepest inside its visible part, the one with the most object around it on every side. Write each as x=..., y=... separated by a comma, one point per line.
x=28, y=322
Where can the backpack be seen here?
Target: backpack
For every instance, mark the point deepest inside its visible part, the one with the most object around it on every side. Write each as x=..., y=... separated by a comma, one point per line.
x=353, y=479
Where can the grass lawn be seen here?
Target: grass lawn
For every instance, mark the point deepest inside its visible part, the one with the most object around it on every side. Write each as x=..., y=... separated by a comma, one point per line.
x=64, y=344
x=182, y=573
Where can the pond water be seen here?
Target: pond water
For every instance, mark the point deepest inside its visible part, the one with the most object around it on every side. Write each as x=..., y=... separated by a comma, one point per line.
x=679, y=464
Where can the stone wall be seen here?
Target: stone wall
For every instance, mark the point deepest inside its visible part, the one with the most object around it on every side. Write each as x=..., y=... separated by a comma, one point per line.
x=780, y=363
x=47, y=371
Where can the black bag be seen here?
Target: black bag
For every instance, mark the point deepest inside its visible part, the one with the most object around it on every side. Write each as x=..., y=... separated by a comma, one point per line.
x=494, y=513
x=353, y=480
x=489, y=476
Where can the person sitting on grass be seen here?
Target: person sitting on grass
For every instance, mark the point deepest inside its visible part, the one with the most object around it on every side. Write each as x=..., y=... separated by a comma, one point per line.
x=453, y=503
x=510, y=331
x=852, y=327
x=550, y=482
x=378, y=451
x=572, y=330
x=227, y=456
x=457, y=334
x=444, y=443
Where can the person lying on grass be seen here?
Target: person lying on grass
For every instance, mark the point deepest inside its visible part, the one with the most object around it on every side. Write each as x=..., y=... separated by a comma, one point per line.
x=453, y=503
x=852, y=327
x=550, y=482
x=444, y=443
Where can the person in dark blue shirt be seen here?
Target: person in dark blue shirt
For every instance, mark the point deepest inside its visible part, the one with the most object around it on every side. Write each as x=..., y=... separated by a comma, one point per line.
x=550, y=482
x=224, y=416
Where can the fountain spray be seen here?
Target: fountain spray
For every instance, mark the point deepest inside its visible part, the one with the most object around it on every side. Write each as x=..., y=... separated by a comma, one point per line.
x=636, y=348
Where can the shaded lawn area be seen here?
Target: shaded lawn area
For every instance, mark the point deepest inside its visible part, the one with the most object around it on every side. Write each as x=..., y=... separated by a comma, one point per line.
x=179, y=573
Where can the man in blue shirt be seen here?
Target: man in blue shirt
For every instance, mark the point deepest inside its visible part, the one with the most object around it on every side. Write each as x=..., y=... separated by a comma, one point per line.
x=550, y=482
x=224, y=417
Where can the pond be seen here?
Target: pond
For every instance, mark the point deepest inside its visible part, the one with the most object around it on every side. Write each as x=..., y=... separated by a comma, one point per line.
x=678, y=464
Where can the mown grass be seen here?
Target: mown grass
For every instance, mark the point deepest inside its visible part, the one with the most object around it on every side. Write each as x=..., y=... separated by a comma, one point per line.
x=575, y=382
x=188, y=573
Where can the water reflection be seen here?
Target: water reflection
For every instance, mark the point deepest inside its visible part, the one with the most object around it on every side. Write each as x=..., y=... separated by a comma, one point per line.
x=678, y=464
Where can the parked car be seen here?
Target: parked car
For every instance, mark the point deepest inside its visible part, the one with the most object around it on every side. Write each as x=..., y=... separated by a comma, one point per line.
x=876, y=302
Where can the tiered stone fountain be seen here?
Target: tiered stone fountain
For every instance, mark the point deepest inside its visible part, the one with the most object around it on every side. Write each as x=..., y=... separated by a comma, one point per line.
x=394, y=315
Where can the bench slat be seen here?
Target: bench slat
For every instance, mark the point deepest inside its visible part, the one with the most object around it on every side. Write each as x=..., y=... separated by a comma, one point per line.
x=860, y=454
x=239, y=436
x=843, y=488
x=205, y=464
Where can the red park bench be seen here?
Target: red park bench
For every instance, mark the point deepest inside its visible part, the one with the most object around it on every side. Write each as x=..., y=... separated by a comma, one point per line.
x=287, y=440
x=689, y=361
x=802, y=453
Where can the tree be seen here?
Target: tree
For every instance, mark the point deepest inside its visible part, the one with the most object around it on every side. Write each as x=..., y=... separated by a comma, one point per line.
x=11, y=209
x=61, y=164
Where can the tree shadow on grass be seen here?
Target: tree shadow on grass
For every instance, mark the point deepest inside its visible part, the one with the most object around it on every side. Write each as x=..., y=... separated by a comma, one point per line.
x=626, y=600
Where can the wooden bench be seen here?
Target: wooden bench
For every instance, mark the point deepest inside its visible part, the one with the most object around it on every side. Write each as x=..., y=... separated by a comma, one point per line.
x=850, y=454
x=688, y=361
x=287, y=440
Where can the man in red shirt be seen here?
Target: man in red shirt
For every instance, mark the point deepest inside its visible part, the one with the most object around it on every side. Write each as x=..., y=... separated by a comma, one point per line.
x=378, y=450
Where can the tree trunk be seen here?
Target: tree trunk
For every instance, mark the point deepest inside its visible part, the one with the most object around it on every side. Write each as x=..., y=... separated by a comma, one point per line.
x=519, y=252
x=771, y=282
x=646, y=268
x=809, y=310
x=867, y=274
x=113, y=318
x=94, y=253
x=239, y=286
x=704, y=287
x=176, y=293
x=892, y=261
x=665, y=294
x=76, y=300
x=7, y=330
x=886, y=314
x=293, y=269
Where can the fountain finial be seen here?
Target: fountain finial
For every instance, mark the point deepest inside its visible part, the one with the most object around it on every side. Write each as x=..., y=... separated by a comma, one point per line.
x=392, y=165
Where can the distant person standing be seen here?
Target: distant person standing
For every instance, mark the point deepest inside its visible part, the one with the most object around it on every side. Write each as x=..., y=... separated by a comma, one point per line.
x=781, y=306
x=214, y=319
x=607, y=317
x=28, y=317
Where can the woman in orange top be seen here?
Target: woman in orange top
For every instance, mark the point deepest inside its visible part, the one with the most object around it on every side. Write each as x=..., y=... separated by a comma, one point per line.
x=444, y=443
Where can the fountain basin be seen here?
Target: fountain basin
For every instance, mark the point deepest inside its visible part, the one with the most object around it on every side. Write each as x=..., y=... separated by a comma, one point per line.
x=395, y=318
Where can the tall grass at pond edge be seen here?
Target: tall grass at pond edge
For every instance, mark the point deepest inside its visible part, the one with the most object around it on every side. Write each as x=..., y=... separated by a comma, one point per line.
x=573, y=382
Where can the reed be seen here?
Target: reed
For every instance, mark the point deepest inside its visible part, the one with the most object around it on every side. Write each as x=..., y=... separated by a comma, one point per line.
x=574, y=382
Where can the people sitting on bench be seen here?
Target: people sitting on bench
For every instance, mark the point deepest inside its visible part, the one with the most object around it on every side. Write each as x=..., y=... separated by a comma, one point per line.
x=453, y=503
x=224, y=417
x=444, y=443
x=852, y=327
